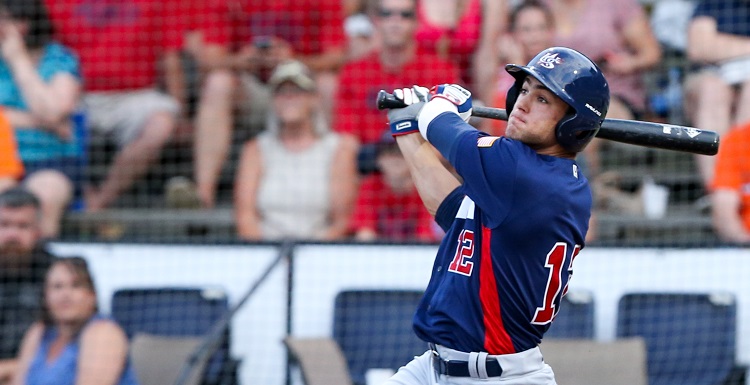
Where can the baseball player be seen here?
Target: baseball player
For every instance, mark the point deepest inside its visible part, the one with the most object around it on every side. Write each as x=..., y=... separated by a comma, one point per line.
x=514, y=225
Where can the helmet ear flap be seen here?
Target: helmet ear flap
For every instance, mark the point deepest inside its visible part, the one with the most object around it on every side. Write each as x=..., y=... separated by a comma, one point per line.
x=573, y=132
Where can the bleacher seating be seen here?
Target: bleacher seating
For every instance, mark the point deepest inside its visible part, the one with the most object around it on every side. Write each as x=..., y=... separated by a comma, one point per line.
x=374, y=329
x=178, y=312
x=690, y=338
x=575, y=320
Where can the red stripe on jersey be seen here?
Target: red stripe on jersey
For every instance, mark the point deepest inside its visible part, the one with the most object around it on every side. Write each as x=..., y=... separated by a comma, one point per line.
x=496, y=338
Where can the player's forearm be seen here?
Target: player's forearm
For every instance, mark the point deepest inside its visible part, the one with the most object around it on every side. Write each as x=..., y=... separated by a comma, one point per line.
x=433, y=181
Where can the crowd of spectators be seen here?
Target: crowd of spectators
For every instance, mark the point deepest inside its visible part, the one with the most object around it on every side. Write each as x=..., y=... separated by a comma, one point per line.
x=281, y=94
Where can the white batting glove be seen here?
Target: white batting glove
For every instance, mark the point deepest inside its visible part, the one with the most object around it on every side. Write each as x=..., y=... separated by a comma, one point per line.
x=412, y=95
x=403, y=121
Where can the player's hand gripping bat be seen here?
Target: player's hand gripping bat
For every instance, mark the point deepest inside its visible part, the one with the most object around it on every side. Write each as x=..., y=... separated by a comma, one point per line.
x=648, y=134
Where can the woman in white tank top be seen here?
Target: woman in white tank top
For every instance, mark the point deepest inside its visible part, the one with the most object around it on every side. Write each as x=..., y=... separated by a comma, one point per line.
x=297, y=179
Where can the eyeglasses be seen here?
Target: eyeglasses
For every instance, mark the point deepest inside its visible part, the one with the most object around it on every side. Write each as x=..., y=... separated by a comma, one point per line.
x=407, y=14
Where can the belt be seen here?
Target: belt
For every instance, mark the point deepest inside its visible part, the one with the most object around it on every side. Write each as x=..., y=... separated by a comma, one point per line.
x=481, y=366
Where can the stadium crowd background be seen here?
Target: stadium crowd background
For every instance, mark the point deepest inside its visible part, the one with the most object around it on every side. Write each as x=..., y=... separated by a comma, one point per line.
x=205, y=122
x=158, y=118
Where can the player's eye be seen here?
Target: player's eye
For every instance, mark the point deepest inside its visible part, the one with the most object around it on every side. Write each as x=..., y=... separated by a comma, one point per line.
x=524, y=90
x=542, y=99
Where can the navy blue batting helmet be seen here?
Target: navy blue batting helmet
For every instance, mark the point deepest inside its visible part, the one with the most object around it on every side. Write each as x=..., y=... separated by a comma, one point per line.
x=576, y=80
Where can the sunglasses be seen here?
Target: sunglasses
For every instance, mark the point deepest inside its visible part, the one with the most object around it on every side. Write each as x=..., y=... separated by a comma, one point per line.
x=408, y=14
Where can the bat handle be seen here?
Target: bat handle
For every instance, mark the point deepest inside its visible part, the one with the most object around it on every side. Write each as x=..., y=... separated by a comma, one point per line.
x=387, y=101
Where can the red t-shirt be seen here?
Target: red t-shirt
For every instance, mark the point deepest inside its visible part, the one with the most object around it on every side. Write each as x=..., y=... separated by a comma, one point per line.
x=310, y=26
x=355, y=110
x=457, y=44
x=210, y=17
x=119, y=42
x=393, y=217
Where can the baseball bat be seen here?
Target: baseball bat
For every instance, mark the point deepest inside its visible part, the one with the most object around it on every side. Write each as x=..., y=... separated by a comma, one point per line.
x=640, y=133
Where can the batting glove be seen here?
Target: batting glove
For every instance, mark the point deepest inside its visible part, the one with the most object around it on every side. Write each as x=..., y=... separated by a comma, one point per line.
x=404, y=120
x=457, y=95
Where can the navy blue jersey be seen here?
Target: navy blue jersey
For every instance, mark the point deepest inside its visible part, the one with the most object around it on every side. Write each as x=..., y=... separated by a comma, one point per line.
x=505, y=261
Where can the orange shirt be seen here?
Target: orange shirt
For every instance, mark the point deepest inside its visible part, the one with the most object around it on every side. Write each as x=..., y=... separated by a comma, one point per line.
x=733, y=167
x=10, y=163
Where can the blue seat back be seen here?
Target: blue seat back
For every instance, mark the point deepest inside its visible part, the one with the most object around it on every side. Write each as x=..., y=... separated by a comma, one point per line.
x=174, y=312
x=374, y=329
x=575, y=320
x=690, y=338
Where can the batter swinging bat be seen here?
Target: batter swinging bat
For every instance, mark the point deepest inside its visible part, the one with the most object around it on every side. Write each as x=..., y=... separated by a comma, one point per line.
x=648, y=134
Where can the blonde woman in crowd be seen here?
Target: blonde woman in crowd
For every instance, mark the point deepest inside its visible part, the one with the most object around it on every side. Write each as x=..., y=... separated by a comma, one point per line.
x=297, y=179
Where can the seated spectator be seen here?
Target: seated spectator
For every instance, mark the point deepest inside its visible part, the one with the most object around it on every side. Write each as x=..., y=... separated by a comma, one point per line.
x=120, y=45
x=360, y=32
x=531, y=30
x=388, y=205
x=41, y=87
x=23, y=263
x=464, y=32
x=71, y=344
x=297, y=179
x=624, y=48
x=394, y=65
x=11, y=167
x=730, y=198
x=717, y=95
x=235, y=91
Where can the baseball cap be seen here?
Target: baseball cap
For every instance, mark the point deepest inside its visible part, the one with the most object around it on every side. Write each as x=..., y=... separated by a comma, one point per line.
x=292, y=71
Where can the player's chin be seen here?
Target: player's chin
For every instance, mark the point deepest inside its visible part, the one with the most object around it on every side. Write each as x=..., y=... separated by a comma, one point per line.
x=512, y=130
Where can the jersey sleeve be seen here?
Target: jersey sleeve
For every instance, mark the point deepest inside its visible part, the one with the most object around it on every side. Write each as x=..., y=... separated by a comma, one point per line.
x=486, y=164
x=448, y=208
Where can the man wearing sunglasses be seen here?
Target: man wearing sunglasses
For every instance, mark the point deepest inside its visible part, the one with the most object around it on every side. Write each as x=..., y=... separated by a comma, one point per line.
x=391, y=66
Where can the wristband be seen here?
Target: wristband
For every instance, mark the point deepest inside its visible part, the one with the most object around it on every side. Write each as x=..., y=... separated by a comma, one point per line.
x=404, y=127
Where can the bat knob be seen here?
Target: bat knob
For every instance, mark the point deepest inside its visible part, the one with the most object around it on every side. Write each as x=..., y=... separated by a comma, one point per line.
x=387, y=101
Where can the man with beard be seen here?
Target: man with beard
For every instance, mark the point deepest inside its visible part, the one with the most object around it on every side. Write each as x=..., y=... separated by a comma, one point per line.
x=23, y=263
